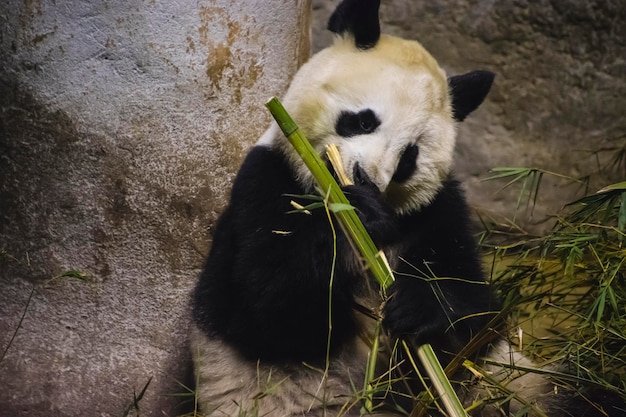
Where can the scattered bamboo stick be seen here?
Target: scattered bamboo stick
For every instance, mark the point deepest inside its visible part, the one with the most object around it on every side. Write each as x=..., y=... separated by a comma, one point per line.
x=362, y=242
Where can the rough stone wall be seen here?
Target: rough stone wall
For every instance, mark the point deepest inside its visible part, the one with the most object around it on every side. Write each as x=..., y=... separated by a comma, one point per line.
x=559, y=93
x=122, y=124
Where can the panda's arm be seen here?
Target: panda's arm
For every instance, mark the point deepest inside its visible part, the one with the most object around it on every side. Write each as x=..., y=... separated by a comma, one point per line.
x=265, y=285
x=440, y=296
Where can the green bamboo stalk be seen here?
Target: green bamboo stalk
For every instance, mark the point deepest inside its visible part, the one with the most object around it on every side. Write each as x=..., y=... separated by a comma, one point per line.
x=438, y=378
x=362, y=242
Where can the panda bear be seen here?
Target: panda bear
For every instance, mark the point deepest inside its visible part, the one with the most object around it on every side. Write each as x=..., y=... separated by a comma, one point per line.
x=283, y=303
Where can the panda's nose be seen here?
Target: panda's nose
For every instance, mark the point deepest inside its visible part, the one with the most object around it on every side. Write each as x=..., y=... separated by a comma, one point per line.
x=359, y=175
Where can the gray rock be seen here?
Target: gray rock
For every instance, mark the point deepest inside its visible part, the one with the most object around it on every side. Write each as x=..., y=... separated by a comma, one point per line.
x=122, y=125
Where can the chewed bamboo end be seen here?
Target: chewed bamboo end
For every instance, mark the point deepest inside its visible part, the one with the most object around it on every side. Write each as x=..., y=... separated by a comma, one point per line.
x=335, y=160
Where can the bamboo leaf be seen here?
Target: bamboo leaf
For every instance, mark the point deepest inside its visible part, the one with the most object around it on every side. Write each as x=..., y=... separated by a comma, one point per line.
x=621, y=218
x=503, y=172
x=337, y=207
x=74, y=274
x=620, y=186
x=601, y=304
x=312, y=197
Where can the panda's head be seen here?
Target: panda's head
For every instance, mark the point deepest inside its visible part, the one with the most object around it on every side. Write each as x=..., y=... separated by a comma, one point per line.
x=385, y=103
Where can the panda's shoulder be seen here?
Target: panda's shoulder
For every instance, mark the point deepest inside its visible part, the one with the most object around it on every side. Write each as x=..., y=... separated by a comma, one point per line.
x=262, y=160
x=448, y=212
x=264, y=171
x=450, y=198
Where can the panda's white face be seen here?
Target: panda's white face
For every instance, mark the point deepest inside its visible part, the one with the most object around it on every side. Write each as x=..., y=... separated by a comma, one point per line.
x=386, y=108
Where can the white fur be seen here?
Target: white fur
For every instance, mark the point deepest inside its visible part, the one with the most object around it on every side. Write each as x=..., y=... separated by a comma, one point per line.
x=230, y=385
x=510, y=369
x=407, y=90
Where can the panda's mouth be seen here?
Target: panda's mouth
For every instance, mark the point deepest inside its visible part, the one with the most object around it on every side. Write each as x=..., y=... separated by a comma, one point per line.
x=360, y=177
x=406, y=167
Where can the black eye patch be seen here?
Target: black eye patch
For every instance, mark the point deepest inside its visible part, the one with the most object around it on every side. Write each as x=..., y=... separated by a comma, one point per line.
x=352, y=124
x=407, y=164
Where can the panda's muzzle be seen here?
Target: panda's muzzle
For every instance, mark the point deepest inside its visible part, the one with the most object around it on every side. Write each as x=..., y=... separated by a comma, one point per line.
x=360, y=177
x=407, y=164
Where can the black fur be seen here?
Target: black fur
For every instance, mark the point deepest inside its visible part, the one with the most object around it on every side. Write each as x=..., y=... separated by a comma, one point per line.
x=429, y=304
x=266, y=293
x=353, y=124
x=407, y=165
x=468, y=91
x=375, y=214
x=358, y=17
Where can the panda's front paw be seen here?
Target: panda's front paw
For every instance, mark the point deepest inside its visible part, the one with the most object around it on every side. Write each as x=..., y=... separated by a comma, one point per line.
x=378, y=217
x=379, y=220
x=410, y=317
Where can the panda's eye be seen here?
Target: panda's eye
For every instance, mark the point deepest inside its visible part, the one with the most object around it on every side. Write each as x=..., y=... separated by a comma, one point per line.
x=367, y=125
x=352, y=124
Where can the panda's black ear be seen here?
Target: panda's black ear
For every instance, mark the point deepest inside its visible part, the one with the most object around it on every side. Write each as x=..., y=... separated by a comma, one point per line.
x=468, y=91
x=358, y=17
